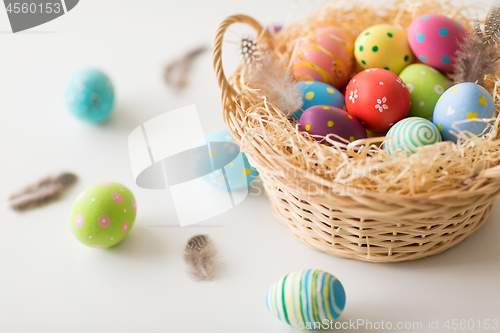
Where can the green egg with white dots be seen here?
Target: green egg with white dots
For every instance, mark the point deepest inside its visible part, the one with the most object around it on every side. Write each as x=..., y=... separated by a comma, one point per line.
x=425, y=84
x=103, y=215
x=383, y=46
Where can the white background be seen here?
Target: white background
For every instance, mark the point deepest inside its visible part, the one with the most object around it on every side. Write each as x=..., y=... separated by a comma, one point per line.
x=49, y=282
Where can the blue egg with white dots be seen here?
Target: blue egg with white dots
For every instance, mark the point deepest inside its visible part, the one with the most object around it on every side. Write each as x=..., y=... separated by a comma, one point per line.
x=464, y=102
x=90, y=95
x=318, y=93
x=227, y=165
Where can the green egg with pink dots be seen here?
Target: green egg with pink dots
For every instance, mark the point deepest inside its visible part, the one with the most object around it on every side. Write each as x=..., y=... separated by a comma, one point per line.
x=103, y=215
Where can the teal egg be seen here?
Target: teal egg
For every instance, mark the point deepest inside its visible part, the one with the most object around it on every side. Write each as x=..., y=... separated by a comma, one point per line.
x=90, y=95
x=318, y=93
x=306, y=297
x=224, y=153
x=463, y=102
x=409, y=134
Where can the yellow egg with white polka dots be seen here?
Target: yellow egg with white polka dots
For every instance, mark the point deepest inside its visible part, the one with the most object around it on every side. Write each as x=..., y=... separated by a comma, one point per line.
x=383, y=46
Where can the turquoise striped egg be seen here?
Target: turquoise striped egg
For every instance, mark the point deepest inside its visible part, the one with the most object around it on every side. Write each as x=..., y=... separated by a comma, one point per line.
x=306, y=298
x=409, y=134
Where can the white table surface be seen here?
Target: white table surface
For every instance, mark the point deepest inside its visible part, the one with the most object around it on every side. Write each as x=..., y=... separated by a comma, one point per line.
x=49, y=282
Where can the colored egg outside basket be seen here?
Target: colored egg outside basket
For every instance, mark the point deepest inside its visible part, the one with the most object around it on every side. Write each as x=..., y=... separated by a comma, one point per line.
x=307, y=299
x=103, y=215
x=222, y=153
x=90, y=95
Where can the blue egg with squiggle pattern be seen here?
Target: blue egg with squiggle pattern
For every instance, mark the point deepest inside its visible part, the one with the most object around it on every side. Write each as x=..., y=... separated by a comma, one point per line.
x=306, y=297
x=460, y=106
x=318, y=93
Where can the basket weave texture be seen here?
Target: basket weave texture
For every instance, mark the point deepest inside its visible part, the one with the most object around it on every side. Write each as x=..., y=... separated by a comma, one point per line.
x=352, y=200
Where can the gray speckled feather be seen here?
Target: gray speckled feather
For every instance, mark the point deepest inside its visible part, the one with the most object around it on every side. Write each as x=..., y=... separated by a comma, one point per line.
x=492, y=25
x=479, y=53
x=200, y=254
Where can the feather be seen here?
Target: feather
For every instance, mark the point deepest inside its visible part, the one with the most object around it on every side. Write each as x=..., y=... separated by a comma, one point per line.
x=274, y=80
x=492, y=25
x=479, y=52
x=177, y=72
x=199, y=255
x=478, y=31
x=43, y=192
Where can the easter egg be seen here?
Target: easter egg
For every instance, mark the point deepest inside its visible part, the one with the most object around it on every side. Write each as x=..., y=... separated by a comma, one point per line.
x=306, y=297
x=318, y=93
x=90, y=96
x=378, y=98
x=323, y=120
x=409, y=134
x=383, y=46
x=426, y=85
x=461, y=102
x=225, y=152
x=434, y=39
x=103, y=215
x=324, y=55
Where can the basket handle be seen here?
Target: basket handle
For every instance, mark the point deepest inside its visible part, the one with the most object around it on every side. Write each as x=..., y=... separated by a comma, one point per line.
x=228, y=92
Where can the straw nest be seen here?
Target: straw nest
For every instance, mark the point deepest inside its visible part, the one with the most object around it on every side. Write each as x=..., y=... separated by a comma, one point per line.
x=352, y=199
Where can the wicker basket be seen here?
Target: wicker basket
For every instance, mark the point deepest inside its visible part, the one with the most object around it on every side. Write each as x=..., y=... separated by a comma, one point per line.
x=378, y=224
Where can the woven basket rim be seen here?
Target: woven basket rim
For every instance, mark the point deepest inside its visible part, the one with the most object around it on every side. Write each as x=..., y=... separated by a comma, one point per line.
x=230, y=97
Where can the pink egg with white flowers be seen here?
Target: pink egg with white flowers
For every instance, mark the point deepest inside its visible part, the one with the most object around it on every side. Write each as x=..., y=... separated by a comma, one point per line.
x=434, y=39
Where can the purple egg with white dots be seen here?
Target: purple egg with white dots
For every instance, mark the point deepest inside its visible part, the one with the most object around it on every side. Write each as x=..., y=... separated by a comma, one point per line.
x=324, y=119
x=434, y=39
